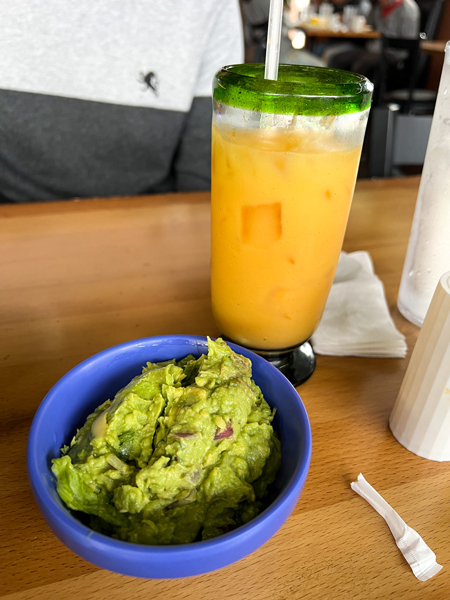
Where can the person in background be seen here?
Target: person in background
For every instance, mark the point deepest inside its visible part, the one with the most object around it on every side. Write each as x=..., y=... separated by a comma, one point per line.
x=392, y=18
x=396, y=18
x=110, y=98
x=256, y=16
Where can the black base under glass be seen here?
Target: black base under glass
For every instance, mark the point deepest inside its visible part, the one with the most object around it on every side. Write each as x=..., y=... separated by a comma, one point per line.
x=297, y=363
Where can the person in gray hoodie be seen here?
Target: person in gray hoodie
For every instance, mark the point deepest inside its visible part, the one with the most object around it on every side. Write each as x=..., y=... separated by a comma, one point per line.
x=110, y=98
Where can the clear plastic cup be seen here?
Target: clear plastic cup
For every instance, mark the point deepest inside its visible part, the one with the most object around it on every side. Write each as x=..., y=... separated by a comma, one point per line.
x=428, y=254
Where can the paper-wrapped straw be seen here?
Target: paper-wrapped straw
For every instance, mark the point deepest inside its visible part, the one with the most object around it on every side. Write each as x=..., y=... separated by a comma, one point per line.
x=419, y=556
x=420, y=419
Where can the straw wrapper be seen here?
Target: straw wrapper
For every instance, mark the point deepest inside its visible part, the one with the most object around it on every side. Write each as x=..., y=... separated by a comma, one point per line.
x=420, y=557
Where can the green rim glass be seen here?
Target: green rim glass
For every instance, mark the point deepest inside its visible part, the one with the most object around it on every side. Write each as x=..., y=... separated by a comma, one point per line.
x=299, y=90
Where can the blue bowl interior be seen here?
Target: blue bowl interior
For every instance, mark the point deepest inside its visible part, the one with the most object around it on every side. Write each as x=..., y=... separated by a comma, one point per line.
x=98, y=378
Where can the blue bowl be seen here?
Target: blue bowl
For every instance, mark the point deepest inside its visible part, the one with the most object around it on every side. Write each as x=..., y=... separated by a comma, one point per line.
x=98, y=378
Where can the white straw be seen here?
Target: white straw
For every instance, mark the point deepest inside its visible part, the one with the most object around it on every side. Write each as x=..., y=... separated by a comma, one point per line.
x=273, y=39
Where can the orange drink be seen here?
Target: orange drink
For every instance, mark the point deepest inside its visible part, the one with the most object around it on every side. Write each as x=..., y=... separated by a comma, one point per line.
x=282, y=186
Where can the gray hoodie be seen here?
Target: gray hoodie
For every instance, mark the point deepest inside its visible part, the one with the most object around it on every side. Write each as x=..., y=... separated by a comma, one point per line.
x=102, y=98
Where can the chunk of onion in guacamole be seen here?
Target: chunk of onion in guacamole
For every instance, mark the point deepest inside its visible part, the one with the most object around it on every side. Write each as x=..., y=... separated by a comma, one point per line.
x=185, y=452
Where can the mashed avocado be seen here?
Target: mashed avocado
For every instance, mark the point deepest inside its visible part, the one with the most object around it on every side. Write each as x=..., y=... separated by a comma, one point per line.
x=184, y=452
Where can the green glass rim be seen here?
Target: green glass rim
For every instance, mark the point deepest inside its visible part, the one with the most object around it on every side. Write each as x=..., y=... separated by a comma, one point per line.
x=299, y=90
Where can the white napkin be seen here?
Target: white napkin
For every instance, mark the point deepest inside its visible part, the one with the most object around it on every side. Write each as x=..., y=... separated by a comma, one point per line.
x=420, y=557
x=356, y=320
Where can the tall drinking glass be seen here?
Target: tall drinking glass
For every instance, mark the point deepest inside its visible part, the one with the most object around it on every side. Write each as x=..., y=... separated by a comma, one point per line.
x=284, y=164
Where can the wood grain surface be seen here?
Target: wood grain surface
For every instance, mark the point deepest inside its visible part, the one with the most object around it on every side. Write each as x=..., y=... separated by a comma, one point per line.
x=367, y=33
x=434, y=47
x=79, y=276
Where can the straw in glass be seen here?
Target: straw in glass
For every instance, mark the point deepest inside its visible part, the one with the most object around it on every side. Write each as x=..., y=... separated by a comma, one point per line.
x=273, y=39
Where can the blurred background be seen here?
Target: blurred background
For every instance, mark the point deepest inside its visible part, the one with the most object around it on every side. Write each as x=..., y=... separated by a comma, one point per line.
x=398, y=44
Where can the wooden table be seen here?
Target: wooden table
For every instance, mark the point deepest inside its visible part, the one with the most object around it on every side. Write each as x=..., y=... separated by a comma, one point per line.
x=319, y=32
x=434, y=47
x=79, y=276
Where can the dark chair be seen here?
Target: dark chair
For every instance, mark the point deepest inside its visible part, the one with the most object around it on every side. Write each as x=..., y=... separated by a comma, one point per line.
x=400, y=120
x=403, y=69
x=397, y=140
x=431, y=16
x=399, y=76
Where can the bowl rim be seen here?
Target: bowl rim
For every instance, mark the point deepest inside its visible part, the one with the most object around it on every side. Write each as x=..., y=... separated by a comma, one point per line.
x=84, y=537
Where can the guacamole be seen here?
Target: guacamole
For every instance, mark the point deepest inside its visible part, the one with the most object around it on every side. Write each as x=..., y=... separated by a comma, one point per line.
x=184, y=452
